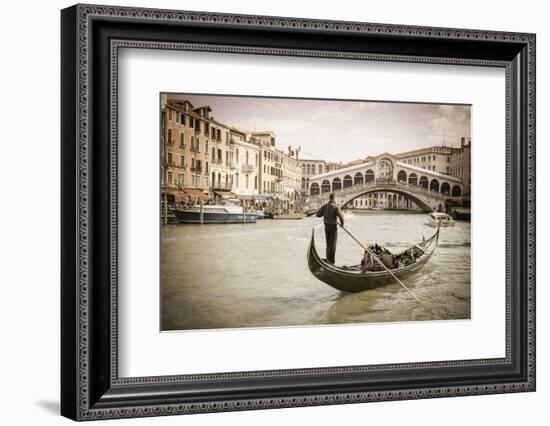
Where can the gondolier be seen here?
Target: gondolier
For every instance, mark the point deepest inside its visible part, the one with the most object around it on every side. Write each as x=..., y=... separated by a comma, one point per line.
x=330, y=214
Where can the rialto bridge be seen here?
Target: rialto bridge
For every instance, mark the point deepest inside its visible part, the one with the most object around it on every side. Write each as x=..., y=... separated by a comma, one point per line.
x=429, y=190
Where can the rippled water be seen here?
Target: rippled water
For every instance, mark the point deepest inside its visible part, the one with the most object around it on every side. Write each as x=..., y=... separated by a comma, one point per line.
x=254, y=275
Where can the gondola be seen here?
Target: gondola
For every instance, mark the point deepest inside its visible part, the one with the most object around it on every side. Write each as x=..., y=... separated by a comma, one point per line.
x=356, y=278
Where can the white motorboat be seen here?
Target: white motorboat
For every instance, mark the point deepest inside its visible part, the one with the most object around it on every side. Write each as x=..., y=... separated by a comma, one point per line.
x=440, y=219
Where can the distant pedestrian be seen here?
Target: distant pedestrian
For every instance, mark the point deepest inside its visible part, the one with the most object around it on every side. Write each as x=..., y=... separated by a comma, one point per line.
x=330, y=214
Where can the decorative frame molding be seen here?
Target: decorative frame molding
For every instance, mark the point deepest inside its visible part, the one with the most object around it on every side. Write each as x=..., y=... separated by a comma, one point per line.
x=91, y=37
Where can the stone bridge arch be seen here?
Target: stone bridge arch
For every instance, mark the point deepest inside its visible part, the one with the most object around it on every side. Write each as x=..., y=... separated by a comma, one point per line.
x=423, y=205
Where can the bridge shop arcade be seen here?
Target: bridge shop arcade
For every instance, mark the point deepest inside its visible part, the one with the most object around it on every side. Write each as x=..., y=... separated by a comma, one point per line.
x=386, y=182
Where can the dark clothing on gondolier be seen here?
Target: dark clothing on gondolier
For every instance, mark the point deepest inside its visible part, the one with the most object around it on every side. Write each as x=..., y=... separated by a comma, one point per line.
x=330, y=214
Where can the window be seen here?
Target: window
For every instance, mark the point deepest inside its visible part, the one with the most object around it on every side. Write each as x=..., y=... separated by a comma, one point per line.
x=169, y=178
x=170, y=114
x=169, y=158
x=192, y=164
x=237, y=155
x=213, y=154
x=182, y=119
x=191, y=122
x=206, y=168
x=182, y=140
x=170, y=137
x=182, y=161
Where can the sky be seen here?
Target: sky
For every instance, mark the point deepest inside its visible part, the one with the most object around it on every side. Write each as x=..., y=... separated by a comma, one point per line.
x=336, y=130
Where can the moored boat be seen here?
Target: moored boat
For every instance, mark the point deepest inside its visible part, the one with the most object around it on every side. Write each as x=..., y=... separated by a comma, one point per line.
x=363, y=277
x=288, y=216
x=214, y=214
x=436, y=219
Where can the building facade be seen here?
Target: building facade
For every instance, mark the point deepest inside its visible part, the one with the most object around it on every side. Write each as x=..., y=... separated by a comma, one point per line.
x=310, y=168
x=461, y=165
x=435, y=158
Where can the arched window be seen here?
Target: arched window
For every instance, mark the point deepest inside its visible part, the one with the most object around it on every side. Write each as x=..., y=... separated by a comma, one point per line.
x=348, y=181
x=445, y=188
x=423, y=182
x=325, y=186
x=314, y=190
x=413, y=179
x=456, y=192
x=369, y=176
x=434, y=185
x=358, y=179
x=320, y=168
x=336, y=184
x=402, y=176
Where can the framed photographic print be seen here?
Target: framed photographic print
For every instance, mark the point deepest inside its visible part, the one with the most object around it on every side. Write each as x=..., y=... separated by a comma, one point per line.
x=263, y=212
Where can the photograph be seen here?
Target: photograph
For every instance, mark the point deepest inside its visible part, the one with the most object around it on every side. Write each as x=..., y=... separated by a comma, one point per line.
x=305, y=212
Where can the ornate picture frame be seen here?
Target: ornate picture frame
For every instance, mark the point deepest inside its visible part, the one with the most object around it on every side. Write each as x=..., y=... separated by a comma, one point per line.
x=91, y=38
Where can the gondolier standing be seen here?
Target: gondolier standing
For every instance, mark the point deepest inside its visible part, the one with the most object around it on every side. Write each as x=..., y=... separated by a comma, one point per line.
x=330, y=214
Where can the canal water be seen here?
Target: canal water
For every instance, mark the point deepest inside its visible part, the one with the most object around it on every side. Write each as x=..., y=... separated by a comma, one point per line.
x=256, y=275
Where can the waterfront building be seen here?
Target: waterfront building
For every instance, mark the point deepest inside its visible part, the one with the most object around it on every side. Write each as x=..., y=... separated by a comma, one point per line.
x=310, y=167
x=270, y=174
x=196, y=152
x=246, y=162
x=434, y=158
x=460, y=164
x=292, y=178
x=384, y=201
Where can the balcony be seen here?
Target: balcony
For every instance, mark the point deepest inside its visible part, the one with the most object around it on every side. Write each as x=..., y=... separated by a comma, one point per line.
x=218, y=161
x=221, y=186
x=232, y=165
x=248, y=169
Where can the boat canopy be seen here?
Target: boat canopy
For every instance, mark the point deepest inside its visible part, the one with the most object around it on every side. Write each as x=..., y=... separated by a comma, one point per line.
x=282, y=197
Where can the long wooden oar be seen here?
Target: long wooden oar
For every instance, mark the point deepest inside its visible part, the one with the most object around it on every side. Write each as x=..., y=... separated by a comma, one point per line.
x=381, y=263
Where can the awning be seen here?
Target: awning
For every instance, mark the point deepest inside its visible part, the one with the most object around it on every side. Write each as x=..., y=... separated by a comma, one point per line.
x=195, y=193
x=180, y=197
x=245, y=197
x=224, y=194
x=282, y=197
x=262, y=197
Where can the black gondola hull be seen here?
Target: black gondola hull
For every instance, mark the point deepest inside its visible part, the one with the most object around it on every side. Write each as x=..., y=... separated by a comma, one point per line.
x=355, y=281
